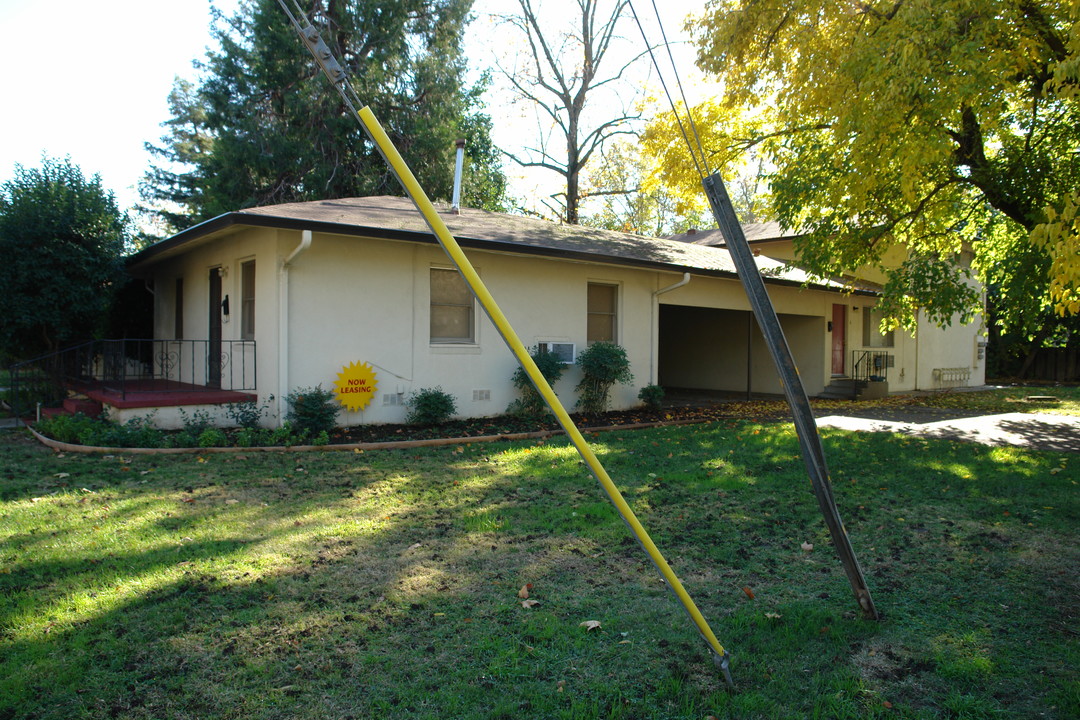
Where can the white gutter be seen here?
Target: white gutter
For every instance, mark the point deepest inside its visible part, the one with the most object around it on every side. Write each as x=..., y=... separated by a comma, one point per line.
x=283, y=324
x=654, y=373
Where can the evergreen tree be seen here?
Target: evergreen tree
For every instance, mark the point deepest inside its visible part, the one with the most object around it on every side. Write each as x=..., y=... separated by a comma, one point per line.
x=61, y=238
x=263, y=126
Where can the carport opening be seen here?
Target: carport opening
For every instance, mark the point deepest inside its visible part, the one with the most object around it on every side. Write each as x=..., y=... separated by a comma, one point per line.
x=716, y=350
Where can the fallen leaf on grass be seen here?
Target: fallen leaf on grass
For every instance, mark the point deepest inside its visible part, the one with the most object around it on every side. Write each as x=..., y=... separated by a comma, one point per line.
x=773, y=616
x=887, y=705
x=590, y=624
x=231, y=501
x=807, y=547
x=749, y=593
x=560, y=685
x=529, y=603
x=523, y=593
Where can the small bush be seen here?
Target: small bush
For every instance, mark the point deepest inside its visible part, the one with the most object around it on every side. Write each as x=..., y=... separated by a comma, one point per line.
x=430, y=406
x=247, y=437
x=312, y=410
x=602, y=365
x=247, y=414
x=652, y=396
x=213, y=437
x=64, y=428
x=185, y=439
x=83, y=430
x=196, y=423
x=531, y=403
x=285, y=436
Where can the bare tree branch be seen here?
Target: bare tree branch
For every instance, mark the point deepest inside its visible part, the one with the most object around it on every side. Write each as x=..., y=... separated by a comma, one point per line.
x=563, y=75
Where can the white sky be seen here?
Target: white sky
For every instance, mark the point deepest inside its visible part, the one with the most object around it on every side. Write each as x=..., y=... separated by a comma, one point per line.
x=91, y=80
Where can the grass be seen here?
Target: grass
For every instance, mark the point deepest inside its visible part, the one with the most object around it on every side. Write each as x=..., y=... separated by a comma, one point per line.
x=385, y=584
x=1011, y=399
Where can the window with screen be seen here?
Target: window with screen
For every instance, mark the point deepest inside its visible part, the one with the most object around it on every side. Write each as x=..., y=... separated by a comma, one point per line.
x=452, y=309
x=602, y=313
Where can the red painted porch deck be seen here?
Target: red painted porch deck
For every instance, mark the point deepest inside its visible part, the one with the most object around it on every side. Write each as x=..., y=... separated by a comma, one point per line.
x=163, y=393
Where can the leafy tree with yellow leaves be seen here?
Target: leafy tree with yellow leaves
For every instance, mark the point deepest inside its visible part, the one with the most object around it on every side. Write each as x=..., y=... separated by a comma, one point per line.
x=944, y=125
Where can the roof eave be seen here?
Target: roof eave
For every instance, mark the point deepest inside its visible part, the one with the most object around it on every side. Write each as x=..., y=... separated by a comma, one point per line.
x=142, y=260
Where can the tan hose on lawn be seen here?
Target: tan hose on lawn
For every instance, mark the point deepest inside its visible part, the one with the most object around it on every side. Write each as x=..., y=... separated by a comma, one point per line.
x=450, y=245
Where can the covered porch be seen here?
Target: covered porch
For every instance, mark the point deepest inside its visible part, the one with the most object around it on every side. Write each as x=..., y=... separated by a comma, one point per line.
x=135, y=375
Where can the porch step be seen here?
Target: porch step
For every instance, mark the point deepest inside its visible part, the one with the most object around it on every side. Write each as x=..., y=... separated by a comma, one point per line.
x=86, y=406
x=51, y=412
x=846, y=388
x=73, y=406
x=842, y=388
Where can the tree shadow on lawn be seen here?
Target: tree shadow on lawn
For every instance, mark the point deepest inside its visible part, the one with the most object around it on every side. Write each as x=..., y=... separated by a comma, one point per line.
x=393, y=590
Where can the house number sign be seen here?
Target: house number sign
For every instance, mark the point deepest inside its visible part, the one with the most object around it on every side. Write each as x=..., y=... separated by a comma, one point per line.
x=356, y=385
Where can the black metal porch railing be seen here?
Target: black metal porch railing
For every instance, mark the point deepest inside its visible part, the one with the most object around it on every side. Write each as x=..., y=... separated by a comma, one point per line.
x=122, y=368
x=870, y=365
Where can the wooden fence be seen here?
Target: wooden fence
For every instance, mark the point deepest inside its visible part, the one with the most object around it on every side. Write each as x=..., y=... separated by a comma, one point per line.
x=1055, y=364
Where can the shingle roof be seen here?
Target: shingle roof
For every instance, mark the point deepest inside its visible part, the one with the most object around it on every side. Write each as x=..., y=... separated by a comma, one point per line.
x=396, y=218
x=754, y=232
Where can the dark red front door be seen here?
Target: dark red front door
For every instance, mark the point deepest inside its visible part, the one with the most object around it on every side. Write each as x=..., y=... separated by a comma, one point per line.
x=839, y=328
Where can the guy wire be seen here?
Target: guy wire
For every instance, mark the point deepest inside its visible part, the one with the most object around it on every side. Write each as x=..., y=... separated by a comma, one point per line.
x=682, y=90
x=667, y=93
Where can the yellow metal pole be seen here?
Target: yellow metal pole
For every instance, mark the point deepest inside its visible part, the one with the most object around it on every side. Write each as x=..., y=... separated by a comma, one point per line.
x=450, y=245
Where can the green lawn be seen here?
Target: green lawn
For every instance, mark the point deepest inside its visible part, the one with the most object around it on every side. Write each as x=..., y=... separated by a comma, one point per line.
x=385, y=584
x=1011, y=399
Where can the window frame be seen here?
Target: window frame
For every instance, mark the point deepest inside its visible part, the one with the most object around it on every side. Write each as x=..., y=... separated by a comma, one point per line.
x=433, y=303
x=178, y=309
x=247, y=301
x=591, y=313
x=872, y=337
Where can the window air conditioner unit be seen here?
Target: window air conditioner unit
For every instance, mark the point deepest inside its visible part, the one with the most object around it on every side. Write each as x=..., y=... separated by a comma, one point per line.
x=565, y=352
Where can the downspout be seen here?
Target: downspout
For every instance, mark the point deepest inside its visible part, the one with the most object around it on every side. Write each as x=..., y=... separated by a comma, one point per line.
x=918, y=351
x=685, y=281
x=283, y=324
x=655, y=340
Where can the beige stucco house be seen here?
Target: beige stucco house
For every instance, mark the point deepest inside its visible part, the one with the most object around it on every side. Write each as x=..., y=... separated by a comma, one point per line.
x=287, y=296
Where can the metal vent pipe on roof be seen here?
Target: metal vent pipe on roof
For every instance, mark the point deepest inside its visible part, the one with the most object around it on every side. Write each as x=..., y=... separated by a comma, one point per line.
x=459, y=163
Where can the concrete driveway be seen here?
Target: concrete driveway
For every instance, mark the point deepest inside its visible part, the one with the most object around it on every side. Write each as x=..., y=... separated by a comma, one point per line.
x=1039, y=431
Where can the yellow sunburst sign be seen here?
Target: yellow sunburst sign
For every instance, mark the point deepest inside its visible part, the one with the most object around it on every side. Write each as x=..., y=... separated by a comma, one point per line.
x=356, y=385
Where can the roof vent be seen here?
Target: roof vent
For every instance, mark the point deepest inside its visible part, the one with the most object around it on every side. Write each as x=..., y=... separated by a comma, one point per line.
x=692, y=231
x=458, y=163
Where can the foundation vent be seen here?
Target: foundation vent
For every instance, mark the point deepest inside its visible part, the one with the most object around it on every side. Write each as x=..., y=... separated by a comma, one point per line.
x=481, y=395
